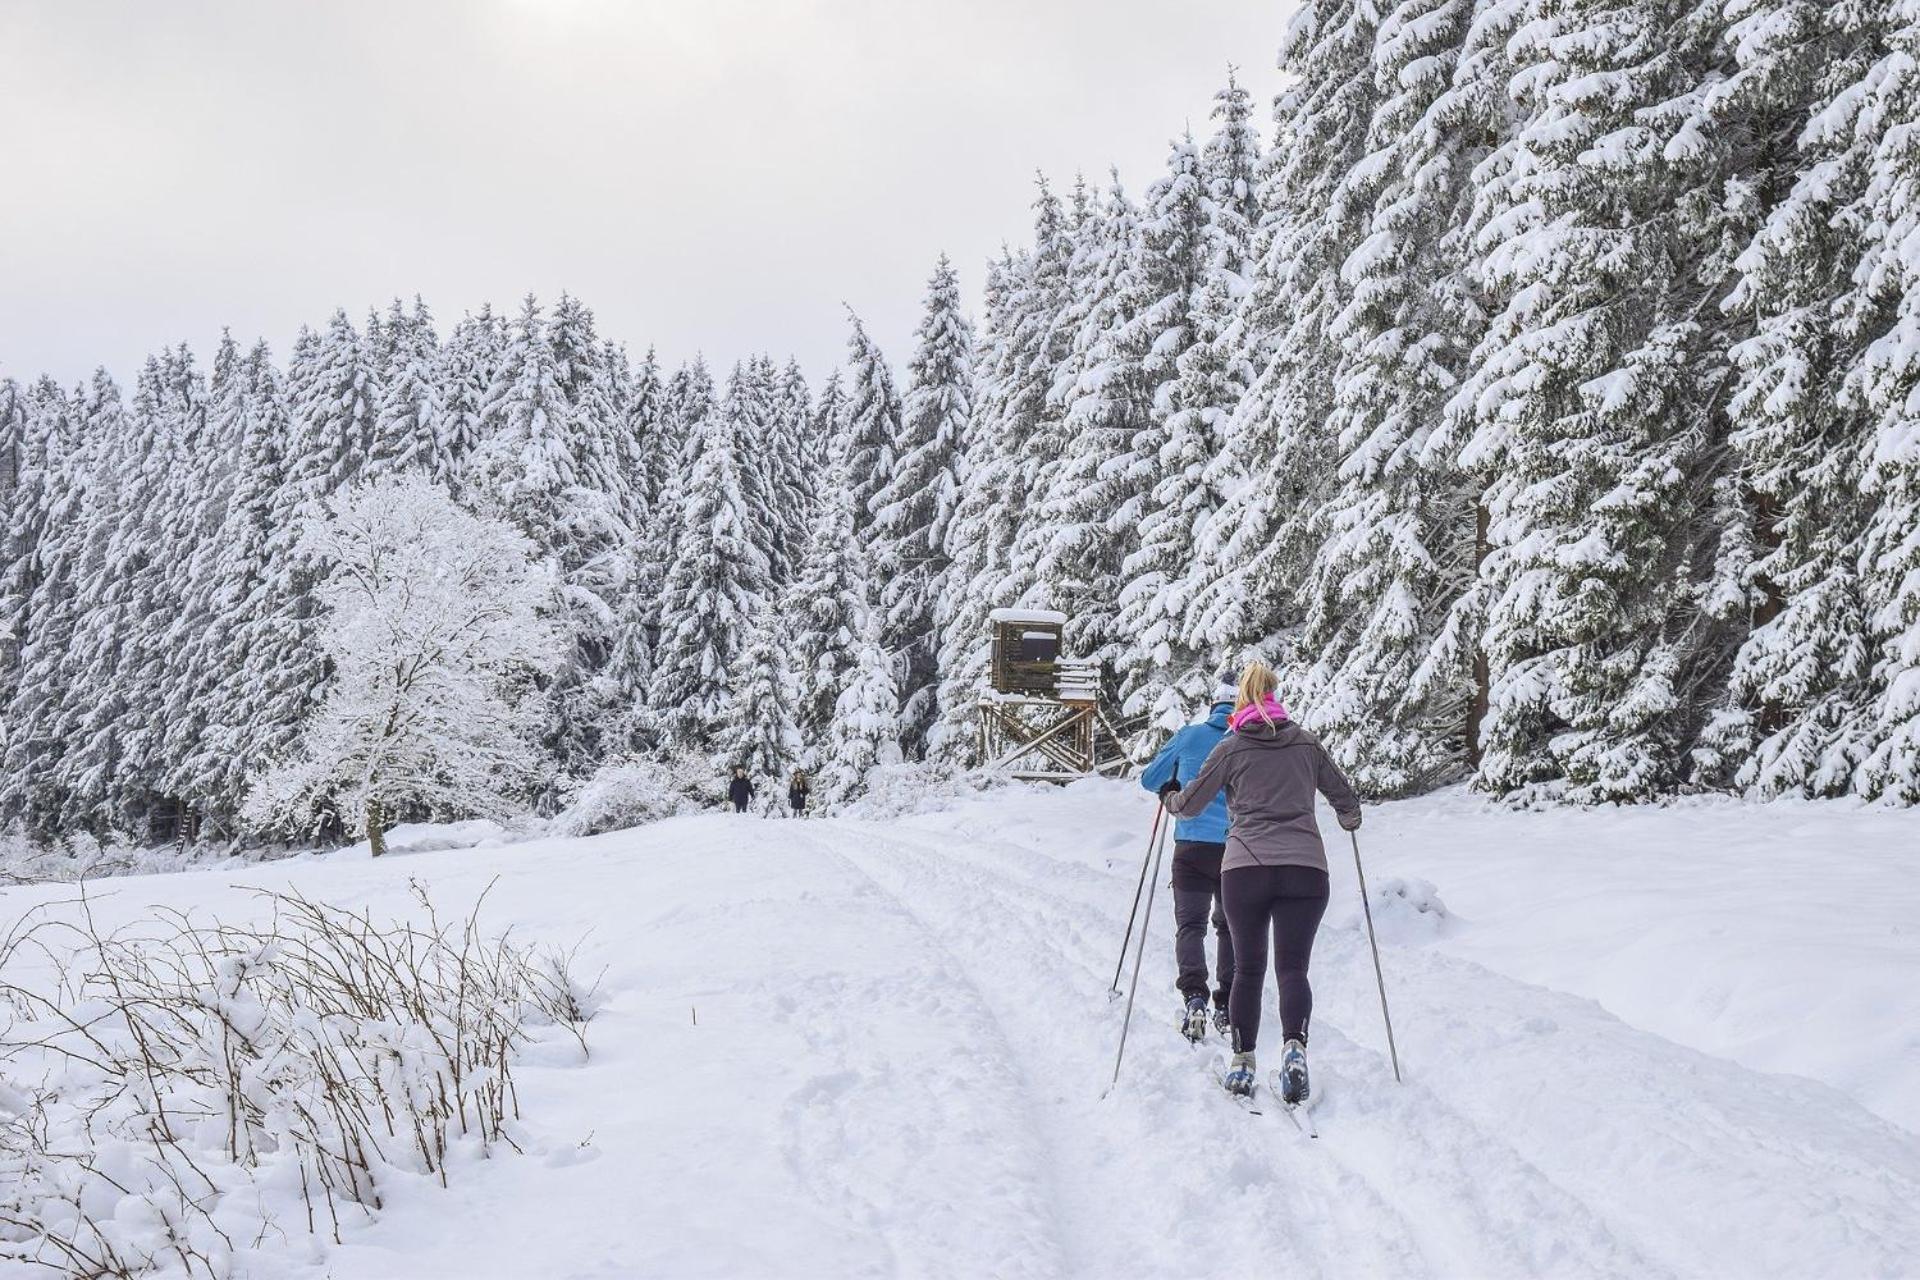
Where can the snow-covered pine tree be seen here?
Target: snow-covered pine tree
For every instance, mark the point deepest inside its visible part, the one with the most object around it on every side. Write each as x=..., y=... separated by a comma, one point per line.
x=1594, y=396
x=797, y=462
x=829, y=424
x=544, y=464
x=410, y=432
x=872, y=422
x=752, y=421
x=433, y=619
x=38, y=601
x=758, y=732
x=147, y=549
x=1251, y=556
x=249, y=603
x=1031, y=346
x=825, y=609
x=1387, y=682
x=195, y=633
x=866, y=729
x=1159, y=672
x=1094, y=498
x=333, y=384
x=92, y=724
x=1799, y=689
x=584, y=369
x=981, y=535
x=915, y=507
x=1885, y=379
x=469, y=363
x=714, y=588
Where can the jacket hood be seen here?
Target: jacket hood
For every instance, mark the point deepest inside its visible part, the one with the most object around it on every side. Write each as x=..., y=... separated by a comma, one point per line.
x=1284, y=734
x=1222, y=711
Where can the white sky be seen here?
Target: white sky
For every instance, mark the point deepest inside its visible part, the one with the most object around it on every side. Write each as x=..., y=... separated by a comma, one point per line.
x=711, y=175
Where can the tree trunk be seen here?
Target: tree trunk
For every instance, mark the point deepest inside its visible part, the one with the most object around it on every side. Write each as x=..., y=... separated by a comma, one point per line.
x=376, y=829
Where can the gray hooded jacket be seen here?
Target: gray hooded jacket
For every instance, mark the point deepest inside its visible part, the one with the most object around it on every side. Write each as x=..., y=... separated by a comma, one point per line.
x=1270, y=773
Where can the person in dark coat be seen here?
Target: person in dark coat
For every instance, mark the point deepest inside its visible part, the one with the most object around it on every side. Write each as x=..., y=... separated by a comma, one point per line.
x=797, y=792
x=1273, y=879
x=740, y=790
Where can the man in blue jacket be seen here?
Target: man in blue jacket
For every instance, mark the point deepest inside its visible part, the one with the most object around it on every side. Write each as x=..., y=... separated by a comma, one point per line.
x=1199, y=844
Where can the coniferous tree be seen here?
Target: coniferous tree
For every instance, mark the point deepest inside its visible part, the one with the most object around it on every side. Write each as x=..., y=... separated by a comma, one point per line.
x=1385, y=684
x=37, y=601
x=825, y=610
x=1883, y=379
x=915, y=508
x=865, y=719
x=981, y=535
x=1799, y=684
x=1093, y=501
x=871, y=422
x=1240, y=592
x=714, y=589
x=469, y=363
x=410, y=430
x=1592, y=396
x=546, y=465
x=758, y=732
x=1159, y=670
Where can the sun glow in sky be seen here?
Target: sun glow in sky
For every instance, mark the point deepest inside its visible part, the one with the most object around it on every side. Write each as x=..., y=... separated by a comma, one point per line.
x=715, y=175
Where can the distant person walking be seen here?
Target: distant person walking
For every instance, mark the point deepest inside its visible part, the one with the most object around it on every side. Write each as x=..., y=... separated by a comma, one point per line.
x=1199, y=843
x=797, y=792
x=740, y=790
x=1274, y=875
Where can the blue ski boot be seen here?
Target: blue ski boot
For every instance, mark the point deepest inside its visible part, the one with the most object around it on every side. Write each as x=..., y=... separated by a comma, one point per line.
x=1239, y=1077
x=1193, y=1023
x=1222, y=1023
x=1293, y=1073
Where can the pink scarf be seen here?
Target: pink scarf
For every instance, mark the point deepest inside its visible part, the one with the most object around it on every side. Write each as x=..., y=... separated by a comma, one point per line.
x=1267, y=709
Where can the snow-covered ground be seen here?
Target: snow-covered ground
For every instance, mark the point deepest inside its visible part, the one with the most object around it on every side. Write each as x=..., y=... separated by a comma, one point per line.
x=1655, y=1042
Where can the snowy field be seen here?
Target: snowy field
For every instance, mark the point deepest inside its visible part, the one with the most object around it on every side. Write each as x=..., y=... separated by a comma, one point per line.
x=1653, y=1042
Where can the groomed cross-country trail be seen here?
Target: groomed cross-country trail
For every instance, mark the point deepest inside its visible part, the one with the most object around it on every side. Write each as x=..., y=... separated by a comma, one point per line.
x=1666, y=1042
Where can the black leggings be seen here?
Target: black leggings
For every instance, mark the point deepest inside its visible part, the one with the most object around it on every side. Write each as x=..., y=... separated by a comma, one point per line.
x=1291, y=901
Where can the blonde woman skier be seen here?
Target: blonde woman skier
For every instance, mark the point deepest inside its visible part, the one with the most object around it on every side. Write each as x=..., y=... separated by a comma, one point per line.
x=1273, y=878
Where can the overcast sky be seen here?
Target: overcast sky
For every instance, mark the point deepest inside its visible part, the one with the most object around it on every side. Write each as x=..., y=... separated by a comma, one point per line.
x=711, y=175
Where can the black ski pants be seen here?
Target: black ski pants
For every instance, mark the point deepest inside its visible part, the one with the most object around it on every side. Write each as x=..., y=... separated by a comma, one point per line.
x=1289, y=901
x=1196, y=896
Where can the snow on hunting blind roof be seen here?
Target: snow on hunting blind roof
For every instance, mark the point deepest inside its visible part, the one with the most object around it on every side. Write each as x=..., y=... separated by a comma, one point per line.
x=1046, y=617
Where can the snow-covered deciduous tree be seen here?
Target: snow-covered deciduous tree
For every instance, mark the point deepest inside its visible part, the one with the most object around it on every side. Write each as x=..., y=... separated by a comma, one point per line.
x=436, y=622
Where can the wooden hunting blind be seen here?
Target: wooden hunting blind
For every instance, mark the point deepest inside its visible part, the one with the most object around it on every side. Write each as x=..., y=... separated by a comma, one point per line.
x=1041, y=717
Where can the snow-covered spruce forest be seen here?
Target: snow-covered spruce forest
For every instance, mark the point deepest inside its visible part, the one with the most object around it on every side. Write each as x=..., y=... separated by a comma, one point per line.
x=1540, y=390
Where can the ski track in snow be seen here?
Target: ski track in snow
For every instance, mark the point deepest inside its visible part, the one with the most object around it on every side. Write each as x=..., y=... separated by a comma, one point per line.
x=849, y=1048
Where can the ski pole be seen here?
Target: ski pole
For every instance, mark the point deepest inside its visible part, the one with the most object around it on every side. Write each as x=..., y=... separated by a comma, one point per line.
x=1159, y=812
x=1138, y=951
x=1378, y=976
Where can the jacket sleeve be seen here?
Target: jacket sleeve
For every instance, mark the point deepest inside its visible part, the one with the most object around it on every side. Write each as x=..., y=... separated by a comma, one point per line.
x=1164, y=766
x=1333, y=784
x=1198, y=794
